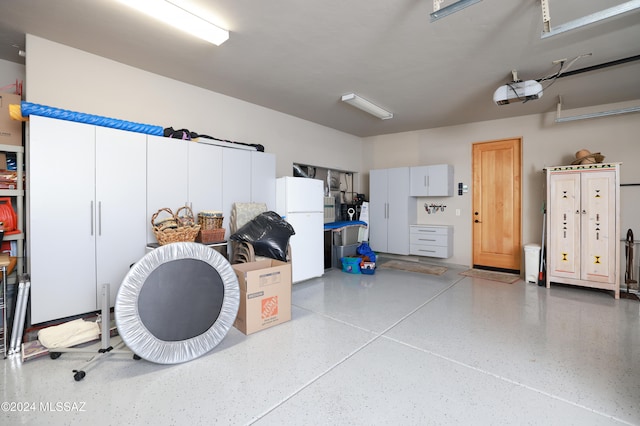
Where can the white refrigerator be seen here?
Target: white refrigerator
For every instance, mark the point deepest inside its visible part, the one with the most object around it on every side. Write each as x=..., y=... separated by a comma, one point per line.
x=300, y=201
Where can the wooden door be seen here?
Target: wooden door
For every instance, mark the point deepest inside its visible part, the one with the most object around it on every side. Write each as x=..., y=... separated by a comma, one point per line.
x=497, y=205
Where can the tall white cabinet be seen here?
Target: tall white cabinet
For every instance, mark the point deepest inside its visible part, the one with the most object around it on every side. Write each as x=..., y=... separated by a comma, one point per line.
x=86, y=201
x=583, y=222
x=93, y=191
x=391, y=210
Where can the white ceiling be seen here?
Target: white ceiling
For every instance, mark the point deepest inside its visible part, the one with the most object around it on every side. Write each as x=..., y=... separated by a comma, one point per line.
x=299, y=57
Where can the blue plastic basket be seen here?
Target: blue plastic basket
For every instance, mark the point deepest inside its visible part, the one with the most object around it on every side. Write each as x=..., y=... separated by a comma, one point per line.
x=350, y=265
x=368, y=268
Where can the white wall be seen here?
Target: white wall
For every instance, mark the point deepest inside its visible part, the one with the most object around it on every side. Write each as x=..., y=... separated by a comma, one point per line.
x=63, y=77
x=67, y=78
x=544, y=143
x=9, y=73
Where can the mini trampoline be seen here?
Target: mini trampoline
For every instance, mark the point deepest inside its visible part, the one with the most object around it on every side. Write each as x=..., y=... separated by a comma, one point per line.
x=177, y=303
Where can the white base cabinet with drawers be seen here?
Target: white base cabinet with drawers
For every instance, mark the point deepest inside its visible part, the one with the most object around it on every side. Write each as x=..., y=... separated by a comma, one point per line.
x=431, y=240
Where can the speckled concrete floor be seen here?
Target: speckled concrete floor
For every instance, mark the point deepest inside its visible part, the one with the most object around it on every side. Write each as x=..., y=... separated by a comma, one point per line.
x=394, y=348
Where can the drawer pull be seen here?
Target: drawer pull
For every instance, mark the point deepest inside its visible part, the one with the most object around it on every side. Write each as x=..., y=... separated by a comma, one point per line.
x=426, y=239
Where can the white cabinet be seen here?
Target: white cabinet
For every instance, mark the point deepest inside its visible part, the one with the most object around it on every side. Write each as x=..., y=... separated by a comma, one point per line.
x=205, y=177
x=93, y=191
x=182, y=173
x=583, y=223
x=432, y=181
x=391, y=210
x=431, y=240
x=86, y=213
x=263, y=179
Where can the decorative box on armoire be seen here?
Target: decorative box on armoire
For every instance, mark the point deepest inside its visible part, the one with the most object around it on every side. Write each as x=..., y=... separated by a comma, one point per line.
x=583, y=226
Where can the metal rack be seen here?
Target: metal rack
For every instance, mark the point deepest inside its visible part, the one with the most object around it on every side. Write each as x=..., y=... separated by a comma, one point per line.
x=18, y=193
x=4, y=330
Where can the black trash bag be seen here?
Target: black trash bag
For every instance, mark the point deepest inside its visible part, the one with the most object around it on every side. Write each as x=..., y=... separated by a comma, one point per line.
x=268, y=233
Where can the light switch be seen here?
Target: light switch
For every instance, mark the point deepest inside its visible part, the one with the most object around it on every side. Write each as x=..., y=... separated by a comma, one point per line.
x=457, y=212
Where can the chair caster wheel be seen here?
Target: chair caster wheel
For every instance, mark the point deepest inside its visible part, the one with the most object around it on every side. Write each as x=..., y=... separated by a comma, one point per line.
x=79, y=375
x=54, y=355
x=136, y=357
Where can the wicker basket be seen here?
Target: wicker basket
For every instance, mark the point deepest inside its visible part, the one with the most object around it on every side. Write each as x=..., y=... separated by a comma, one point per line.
x=208, y=236
x=210, y=220
x=175, y=228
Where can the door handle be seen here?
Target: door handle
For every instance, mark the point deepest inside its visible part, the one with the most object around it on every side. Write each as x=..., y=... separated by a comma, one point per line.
x=99, y=218
x=91, y=216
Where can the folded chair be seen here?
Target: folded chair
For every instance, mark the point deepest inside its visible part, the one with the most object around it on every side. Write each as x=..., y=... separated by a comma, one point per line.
x=241, y=214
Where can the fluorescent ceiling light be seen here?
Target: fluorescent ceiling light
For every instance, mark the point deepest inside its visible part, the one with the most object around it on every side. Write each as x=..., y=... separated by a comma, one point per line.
x=181, y=19
x=448, y=10
x=365, y=105
x=599, y=114
x=620, y=111
x=593, y=18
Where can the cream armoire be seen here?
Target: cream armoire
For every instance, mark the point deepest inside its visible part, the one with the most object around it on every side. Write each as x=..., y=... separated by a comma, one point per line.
x=583, y=226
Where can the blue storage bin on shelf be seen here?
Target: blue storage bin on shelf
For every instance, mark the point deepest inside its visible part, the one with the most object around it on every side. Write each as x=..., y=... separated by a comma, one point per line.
x=351, y=265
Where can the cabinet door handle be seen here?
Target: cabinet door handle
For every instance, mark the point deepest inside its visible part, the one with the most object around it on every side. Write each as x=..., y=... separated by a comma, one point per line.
x=99, y=218
x=91, y=216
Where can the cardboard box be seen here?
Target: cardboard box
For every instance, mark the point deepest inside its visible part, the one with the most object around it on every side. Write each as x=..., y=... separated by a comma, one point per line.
x=265, y=294
x=10, y=130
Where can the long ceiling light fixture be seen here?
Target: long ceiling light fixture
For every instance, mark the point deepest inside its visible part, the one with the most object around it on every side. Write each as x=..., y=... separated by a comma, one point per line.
x=620, y=111
x=547, y=31
x=365, y=105
x=448, y=10
x=181, y=19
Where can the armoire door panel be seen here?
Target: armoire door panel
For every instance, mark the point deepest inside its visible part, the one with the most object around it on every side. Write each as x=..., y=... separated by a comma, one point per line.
x=598, y=228
x=565, y=226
